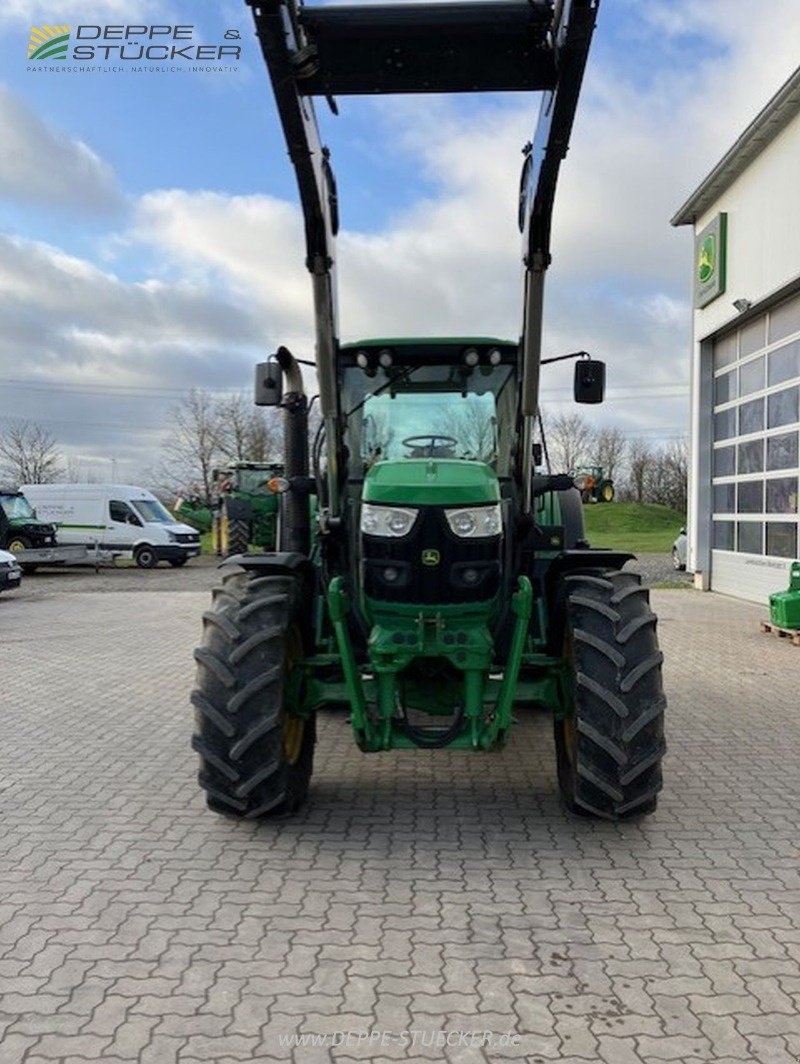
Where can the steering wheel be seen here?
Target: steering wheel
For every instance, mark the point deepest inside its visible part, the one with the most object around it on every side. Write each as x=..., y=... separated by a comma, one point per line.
x=414, y=441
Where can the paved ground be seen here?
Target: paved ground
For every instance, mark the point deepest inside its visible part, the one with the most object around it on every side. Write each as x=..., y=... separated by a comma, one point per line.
x=416, y=894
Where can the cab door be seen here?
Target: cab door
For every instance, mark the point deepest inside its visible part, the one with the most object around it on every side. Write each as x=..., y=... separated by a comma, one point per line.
x=122, y=526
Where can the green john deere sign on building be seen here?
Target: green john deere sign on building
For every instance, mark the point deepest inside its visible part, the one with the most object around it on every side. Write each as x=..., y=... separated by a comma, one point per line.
x=709, y=276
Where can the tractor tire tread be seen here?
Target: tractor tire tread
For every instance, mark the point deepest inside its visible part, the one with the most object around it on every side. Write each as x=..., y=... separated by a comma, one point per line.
x=613, y=770
x=239, y=698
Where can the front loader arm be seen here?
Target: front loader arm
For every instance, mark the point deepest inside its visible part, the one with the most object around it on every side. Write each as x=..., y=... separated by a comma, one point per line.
x=573, y=26
x=285, y=49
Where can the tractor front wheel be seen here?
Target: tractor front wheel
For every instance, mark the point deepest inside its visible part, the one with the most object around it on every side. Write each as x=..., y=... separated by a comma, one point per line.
x=256, y=751
x=609, y=748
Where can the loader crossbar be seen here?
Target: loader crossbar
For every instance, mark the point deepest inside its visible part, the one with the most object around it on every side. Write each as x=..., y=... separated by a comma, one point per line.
x=404, y=47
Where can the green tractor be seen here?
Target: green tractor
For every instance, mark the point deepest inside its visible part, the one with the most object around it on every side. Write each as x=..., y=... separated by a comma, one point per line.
x=246, y=510
x=431, y=581
x=20, y=528
x=593, y=484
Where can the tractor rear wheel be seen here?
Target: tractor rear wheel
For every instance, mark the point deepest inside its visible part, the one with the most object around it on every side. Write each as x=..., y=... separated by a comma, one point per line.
x=605, y=493
x=238, y=537
x=256, y=753
x=609, y=749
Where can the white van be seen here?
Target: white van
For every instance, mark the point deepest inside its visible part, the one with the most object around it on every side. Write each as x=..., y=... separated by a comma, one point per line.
x=118, y=517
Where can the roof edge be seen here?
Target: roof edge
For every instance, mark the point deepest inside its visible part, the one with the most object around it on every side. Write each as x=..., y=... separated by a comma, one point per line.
x=771, y=120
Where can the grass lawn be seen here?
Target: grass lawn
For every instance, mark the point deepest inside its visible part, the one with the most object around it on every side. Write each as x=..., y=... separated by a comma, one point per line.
x=643, y=528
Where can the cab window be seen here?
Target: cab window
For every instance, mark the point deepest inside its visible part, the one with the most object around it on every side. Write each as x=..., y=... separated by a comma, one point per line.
x=120, y=511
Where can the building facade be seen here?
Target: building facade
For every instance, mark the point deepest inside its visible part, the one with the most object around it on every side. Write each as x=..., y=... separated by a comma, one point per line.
x=743, y=524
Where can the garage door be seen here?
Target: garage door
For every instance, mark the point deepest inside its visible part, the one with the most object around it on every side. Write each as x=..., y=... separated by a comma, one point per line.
x=756, y=454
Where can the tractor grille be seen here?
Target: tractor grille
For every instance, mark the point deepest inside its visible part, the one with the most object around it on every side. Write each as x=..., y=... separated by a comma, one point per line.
x=467, y=570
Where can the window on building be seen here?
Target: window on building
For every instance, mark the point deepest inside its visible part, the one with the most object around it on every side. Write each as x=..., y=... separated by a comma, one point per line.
x=751, y=457
x=751, y=417
x=782, y=495
x=752, y=337
x=725, y=350
x=750, y=497
x=783, y=408
x=751, y=376
x=725, y=388
x=782, y=451
x=725, y=424
x=784, y=320
x=724, y=498
x=782, y=539
x=755, y=467
x=784, y=364
x=749, y=537
x=724, y=461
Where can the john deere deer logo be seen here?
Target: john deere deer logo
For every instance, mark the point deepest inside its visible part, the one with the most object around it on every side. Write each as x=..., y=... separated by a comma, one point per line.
x=48, y=42
x=430, y=557
x=707, y=259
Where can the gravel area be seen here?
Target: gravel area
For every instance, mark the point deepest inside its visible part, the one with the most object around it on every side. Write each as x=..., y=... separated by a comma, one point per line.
x=200, y=574
x=658, y=569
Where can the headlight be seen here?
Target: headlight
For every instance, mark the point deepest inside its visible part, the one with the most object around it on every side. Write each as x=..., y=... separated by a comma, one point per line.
x=475, y=521
x=394, y=521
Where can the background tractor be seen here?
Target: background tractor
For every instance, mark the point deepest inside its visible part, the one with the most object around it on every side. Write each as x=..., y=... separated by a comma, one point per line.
x=20, y=528
x=244, y=510
x=593, y=485
x=426, y=576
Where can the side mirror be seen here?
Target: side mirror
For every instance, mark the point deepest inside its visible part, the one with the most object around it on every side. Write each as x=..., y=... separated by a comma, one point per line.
x=269, y=384
x=590, y=381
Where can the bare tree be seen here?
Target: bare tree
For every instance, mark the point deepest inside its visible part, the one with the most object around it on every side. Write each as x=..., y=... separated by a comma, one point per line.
x=29, y=454
x=265, y=435
x=473, y=426
x=249, y=433
x=570, y=440
x=610, y=447
x=235, y=426
x=666, y=480
x=193, y=445
x=640, y=462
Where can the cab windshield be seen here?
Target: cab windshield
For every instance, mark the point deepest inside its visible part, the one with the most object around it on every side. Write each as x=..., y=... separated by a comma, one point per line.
x=425, y=411
x=254, y=480
x=17, y=506
x=152, y=510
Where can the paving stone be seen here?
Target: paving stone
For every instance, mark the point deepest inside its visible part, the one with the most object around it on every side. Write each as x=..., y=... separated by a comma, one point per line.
x=414, y=891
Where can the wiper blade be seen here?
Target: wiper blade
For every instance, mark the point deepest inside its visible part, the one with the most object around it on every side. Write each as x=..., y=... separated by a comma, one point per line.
x=406, y=373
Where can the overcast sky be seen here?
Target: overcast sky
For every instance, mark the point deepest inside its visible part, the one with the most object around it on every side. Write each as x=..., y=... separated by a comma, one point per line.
x=150, y=239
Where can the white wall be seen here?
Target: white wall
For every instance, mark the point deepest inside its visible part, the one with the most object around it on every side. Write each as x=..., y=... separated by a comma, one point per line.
x=763, y=207
x=763, y=255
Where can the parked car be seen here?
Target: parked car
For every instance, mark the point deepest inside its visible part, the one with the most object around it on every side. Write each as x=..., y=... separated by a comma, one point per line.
x=119, y=518
x=10, y=571
x=679, y=548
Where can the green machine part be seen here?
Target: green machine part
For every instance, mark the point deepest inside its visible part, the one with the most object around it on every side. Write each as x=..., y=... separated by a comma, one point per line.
x=784, y=606
x=195, y=513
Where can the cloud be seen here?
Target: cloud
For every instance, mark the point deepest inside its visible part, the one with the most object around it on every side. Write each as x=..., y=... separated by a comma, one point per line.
x=226, y=279
x=39, y=165
x=32, y=12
